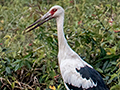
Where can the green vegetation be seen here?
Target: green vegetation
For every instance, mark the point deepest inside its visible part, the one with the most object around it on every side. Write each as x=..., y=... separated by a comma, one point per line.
x=92, y=29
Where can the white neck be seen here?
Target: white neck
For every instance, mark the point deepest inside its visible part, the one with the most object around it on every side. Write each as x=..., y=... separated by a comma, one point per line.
x=64, y=48
x=65, y=52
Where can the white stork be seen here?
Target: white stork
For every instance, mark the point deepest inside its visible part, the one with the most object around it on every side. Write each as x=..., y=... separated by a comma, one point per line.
x=76, y=73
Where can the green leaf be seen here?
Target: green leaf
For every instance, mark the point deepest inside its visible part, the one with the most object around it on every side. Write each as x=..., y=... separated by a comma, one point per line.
x=113, y=62
x=13, y=85
x=38, y=88
x=7, y=69
x=21, y=64
x=103, y=52
x=113, y=76
x=108, y=5
x=17, y=61
x=17, y=67
x=27, y=63
x=115, y=87
x=28, y=56
x=58, y=87
x=42, y=78
x=99, y=70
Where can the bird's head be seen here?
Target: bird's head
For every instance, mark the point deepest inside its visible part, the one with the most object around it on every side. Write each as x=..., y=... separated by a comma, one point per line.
x=54, y=12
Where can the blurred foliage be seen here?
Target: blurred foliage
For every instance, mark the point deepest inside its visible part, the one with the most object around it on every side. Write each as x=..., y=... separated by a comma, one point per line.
x=92, y=29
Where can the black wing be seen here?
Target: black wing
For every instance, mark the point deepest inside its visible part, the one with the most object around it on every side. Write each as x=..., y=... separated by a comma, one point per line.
x=87, y=72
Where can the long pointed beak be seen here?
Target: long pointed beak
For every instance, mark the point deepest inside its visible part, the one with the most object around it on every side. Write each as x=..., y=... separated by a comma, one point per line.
x=39, y=22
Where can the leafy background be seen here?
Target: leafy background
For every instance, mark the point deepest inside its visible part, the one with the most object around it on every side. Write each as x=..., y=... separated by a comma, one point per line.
x=29, y=61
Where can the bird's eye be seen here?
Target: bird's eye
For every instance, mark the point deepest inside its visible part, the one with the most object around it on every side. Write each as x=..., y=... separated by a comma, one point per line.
x=53, y=11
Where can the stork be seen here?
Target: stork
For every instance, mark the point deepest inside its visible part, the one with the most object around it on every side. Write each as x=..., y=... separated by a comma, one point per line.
x=76, y=73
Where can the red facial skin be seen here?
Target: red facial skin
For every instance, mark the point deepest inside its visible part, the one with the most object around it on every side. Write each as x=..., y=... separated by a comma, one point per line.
x=53, y=11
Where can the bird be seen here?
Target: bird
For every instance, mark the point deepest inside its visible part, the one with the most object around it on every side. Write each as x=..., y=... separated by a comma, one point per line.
x=76, y=73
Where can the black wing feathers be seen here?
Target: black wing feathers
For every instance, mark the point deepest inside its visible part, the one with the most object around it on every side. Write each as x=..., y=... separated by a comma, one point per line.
x=87, y=72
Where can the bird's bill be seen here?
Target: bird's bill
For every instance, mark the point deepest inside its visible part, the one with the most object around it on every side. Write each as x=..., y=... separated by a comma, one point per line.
x=39, y=22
